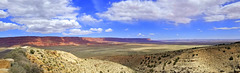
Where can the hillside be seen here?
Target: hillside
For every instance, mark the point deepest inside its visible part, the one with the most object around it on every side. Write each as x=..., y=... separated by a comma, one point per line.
x=53, y=61
x=219, y=58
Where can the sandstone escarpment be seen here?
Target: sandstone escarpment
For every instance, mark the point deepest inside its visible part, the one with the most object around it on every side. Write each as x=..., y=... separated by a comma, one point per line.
x=51, y=41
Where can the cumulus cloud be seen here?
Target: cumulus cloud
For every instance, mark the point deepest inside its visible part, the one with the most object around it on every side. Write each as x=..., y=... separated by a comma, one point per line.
x=48, y=26
x=88, y=18
x=99, y=30
x=108, y=30
x=230, y=11
x=43, y=16
x=3, y=14
x=8, y=26
x=226, y=28
x=178, y=11
x=214, y=18
x=83, y=32
x=78, y=32
x=140, y=34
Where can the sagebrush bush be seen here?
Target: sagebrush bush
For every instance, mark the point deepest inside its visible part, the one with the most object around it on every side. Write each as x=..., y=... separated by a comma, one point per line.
x=231, y=58
x=21, y=63
x=176, y=60
x=32, y=51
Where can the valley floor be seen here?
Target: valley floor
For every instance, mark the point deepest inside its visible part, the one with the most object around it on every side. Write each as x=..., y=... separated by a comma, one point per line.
x=84, y=51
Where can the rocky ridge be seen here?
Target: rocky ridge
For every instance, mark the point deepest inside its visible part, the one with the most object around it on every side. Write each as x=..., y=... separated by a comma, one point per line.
x=212, y=59
x=52, y=61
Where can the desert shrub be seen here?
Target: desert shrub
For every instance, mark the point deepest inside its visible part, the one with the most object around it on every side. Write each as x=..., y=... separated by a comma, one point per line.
x=228, y=48
x=17, y=69
x=231, y=58
x=165, y=55
x=21, y=63
x=159, y=58
x=176, y=60
x=165, y=63
x=169, y=62
x=194, y=48
x=151, y=70
x=32, y=51
x=149, y=66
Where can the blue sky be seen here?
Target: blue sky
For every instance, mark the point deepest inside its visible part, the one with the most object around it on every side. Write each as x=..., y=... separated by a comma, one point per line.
x=155, y=19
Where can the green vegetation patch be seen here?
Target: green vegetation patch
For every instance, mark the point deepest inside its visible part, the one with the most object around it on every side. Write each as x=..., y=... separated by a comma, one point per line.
x=176, y=60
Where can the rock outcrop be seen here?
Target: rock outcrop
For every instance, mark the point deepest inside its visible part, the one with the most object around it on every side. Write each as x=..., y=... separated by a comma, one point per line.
x=5, y=64
x=52, y=61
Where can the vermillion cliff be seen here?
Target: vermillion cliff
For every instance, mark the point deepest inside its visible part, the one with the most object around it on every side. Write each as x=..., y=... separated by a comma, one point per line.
x=64, y=41
x=51, y=41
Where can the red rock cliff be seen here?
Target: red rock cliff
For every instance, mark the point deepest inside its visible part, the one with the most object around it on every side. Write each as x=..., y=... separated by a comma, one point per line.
x=63, y=41
x=50, y=41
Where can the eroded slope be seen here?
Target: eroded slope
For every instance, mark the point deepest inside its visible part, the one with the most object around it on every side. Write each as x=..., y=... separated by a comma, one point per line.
x=220, y=58
x=52, y=61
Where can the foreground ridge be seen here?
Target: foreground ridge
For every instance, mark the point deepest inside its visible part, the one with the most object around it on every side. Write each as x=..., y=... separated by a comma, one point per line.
x=53, y=61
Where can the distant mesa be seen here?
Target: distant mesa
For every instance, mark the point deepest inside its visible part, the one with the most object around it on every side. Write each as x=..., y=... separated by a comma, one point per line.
x=64, y=41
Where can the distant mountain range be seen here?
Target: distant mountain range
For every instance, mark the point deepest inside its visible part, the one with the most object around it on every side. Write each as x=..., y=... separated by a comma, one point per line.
x=64, y=41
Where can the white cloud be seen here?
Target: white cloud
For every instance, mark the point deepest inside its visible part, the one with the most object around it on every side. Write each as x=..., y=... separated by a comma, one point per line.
x=214, y=18
x=99, y=30
x=237, y=21
x=37, y=8
x=88, y=18
x=48, y=26
x=83, y=32
x=199, y=30
x=226, y=28
x=3, y=14
x=178, y=11
x=151, y=34
x=43, y=16
x=230, y=11
x=8, y=26
x=78, y=32
x=108, y=30
x=140, y=34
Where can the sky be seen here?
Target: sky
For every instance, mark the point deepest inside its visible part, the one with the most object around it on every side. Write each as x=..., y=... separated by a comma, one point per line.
x=155, y=19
